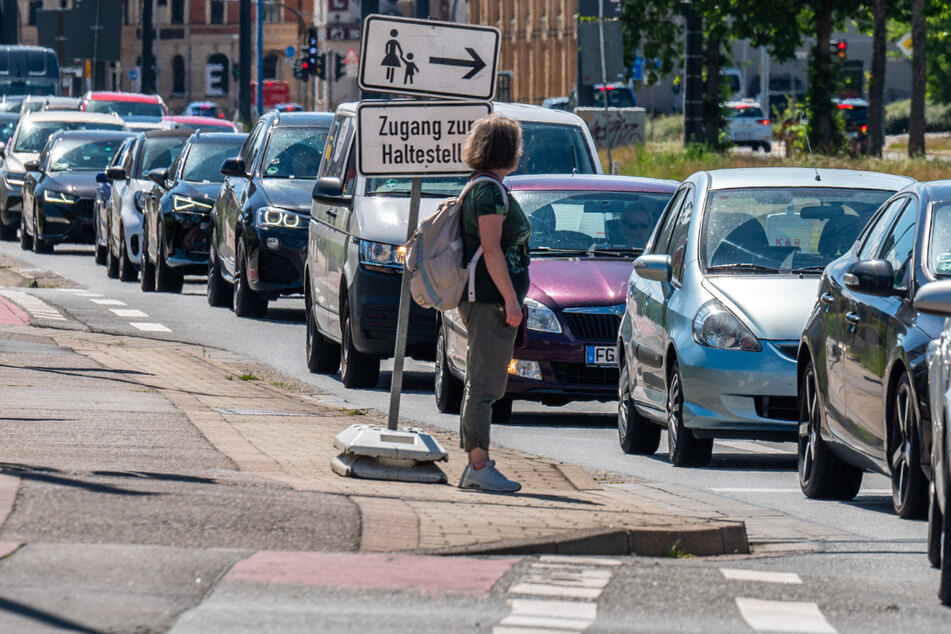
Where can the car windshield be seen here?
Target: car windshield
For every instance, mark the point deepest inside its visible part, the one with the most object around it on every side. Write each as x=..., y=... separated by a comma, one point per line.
x=764, y=229
x=621, y=97
x=203, y=162
x=745, y=112
x=28, y=87
x=603, y=223
x=126, y=108
x=78, y=155
x=939, y=250
x=6, y=129
x=206, y=110
x=547, y=149
x=159, y=152
x=34, y=135
x=294, y=153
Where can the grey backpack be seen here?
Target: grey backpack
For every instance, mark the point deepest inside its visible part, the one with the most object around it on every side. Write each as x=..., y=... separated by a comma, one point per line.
x=434, y=253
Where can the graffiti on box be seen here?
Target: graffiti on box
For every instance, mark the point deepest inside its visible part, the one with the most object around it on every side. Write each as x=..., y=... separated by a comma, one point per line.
x=615, y=127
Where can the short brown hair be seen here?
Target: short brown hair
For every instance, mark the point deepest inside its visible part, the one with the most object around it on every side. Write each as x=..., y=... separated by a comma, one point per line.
x=495, y=142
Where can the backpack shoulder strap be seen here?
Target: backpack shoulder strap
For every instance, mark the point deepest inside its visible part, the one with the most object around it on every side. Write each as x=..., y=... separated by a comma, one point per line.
x=486, y=179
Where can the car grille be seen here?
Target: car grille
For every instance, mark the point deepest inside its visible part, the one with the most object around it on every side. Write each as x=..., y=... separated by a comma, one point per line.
x=789, y=349
x=578, y=374
x=594, y=327
x=276, y=269
x=84, y=207
x=777, y=407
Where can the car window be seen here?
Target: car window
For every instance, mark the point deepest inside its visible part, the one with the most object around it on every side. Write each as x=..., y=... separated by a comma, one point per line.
x=337, y=148
x=78, y=155
x=660, y=242
x=252, y=144
x=549, y=148
x=33, y=136
x=119, y=155
x=752, y=230
x=879, y=227
x=203, y=163
x=678, y=240
x=900, y=243
x=939, y=247
x=126, y=108
x=589, y=220
x=746, y=112
x=158, y=152
x=293, y=152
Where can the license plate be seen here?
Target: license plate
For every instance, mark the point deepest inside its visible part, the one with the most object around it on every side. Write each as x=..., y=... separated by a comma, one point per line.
x=601, y=355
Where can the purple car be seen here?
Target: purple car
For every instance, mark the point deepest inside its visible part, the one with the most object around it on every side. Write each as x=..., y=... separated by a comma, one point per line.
x=586, y=232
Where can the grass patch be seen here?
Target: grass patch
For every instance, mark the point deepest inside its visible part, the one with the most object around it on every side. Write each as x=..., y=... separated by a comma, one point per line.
x=357, y=412
x=676, y=551
x=673, y=161
x=248, y=377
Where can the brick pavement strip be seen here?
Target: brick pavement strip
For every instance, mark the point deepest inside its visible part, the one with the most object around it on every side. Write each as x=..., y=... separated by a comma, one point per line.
x=272, y=432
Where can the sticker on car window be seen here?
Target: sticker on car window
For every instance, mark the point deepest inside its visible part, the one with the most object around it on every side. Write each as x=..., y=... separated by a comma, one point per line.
x=271, y=170
x=391, y=183
x=943, y=263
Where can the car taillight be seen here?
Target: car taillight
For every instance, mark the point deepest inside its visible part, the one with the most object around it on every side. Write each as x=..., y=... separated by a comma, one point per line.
x=864, y=129
x=221, y=115
x=764, y=121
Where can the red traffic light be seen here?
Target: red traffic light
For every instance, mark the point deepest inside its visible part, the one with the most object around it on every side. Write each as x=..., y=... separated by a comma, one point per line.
x=841, y=46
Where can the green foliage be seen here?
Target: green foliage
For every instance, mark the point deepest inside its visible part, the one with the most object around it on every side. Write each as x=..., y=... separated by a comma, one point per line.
x=897, y=113
x=665, y=128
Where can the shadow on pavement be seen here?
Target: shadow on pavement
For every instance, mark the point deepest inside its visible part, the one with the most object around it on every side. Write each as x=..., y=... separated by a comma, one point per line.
x=561, y=419
x=50, y=476
x=14, y=607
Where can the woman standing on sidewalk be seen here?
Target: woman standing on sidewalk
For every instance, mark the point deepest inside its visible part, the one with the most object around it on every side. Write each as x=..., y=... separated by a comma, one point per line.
x=493, y=220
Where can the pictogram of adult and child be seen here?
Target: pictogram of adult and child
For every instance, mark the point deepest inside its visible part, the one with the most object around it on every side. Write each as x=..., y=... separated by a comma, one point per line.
x=394, y=58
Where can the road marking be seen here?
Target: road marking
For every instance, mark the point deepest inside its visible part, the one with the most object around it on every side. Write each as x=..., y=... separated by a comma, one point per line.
x=146, y=326
x=753, y=447
x=768, y=490
x=127, y=312
x=559, y=609
x=742, y=574
x=578, y=561
x=34, y=305
x=108, y=302
x=783, y=616
x=546, y=590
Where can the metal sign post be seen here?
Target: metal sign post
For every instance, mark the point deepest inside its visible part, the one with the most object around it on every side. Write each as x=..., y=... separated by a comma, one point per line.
x=414, y=139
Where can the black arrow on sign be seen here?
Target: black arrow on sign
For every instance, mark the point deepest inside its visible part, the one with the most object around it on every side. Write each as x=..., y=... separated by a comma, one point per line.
x=476, y=63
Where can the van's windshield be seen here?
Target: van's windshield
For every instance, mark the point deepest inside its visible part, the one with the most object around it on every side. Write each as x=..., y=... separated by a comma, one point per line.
x=548, y=148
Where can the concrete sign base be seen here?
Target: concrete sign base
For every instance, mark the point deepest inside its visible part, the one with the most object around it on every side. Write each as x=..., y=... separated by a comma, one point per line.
x=379, y=453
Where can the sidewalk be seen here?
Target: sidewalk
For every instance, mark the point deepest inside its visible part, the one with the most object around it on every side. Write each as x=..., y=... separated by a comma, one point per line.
x=269, y=429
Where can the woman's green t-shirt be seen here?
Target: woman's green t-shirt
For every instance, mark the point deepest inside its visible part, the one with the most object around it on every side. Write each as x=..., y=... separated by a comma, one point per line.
x=483, y=199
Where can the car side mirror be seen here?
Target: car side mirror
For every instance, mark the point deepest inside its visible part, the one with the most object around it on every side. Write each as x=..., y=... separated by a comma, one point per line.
x=875, y=277
x=115, y=173
x=653, y=267
x=234, y=167
x=158, y=175
x=935, y=299
x=32, y=166
x=3, y=147
x=101, y=178
x=329, y=191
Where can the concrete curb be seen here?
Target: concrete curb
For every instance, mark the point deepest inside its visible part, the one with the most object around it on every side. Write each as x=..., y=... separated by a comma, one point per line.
x=724, y=538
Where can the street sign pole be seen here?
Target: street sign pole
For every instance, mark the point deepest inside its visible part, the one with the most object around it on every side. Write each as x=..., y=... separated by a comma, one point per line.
x=402, y=318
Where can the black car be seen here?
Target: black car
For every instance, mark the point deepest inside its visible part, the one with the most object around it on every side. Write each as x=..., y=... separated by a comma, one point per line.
x=855, y=112
x=862, y=371
x=259, y=242
x=60, y=188
x=177, y=223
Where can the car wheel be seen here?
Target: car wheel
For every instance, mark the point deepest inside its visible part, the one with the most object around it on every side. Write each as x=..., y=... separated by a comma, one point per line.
x=357, y=370
x=323, y=355
x=26, y=240
x=822, y=474
x=944, y=589
x=934, y=527
x=112, y=262
x=39, y=244
x=217, y=290
x=8, y=233
x=146, y=268
x=636, y=434
x=167, y=279
x=127, y=272
x=247, y=303
x=909, y=484
x=683, y=448
x=100, y=254
x=767, y=148
x=447, y=388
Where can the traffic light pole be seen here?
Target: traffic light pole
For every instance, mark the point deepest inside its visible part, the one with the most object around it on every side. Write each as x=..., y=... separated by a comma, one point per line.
x=244, y=61
x=260, y=58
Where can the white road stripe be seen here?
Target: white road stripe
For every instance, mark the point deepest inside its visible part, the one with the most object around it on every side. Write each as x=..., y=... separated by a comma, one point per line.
x=568, y=582
x=742, y=574
x=561, y=609
x=546, y=590
x=530, y=630
x=768, y=490
x=753, y=447
x=578, y=561
x=34, y=305
x=127, y=312
x=145, y=326
x=107, y=302
x=544, y=621
x=783, y=616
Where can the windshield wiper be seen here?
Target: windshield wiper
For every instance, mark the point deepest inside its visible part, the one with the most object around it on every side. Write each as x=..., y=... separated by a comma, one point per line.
x=742, y=266
x=613, y=251
x=817, y=268
x=558, y=251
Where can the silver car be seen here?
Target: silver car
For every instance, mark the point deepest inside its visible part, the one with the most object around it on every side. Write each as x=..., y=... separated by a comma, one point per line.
x=717, y=303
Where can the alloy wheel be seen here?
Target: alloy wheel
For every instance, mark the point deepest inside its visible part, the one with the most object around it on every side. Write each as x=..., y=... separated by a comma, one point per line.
x=901, y=459
x=674, y=410
x=808, y=427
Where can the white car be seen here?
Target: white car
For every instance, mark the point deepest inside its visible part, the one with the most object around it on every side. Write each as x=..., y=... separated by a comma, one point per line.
x=748, y=125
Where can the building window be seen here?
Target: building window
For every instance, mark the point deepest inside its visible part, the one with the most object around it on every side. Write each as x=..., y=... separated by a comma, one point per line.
x=35, y=5
x=178, y=75
x=273, y=11
x=270, y=66
x=178, y=11
x=216, y=76
x=217, y=11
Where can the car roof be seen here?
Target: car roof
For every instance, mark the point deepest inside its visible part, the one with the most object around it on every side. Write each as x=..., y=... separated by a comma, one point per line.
x=302, y=119
x=218, y=137
x=121, y=96
x=174, y=132
x=804, y=177
x=71, y=115
x=937, y=190
x=591, y=182
x=517, y=111
x=94, y=134
x=202, y=104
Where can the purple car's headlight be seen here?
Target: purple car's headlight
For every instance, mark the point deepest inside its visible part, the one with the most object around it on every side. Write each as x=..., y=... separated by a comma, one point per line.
x=541, y=318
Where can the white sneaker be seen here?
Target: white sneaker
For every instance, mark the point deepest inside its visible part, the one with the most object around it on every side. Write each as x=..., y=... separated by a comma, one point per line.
x=487, y=478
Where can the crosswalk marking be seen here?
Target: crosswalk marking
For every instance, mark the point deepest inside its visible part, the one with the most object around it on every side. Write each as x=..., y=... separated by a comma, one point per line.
x=742, y=574
x=145, y=326
x=783, y=616
x=34, y=305
x=578, y=561
x=108, y=302
x=127, y=312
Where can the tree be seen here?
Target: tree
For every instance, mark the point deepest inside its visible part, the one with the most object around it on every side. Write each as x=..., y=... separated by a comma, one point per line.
x=916, y=118
x=876, y=85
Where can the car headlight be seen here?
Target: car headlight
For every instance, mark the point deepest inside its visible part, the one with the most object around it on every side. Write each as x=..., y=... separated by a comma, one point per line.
x=382, y=256
x=274, y=217
x=183, y=203
x=716, y=327
x=541, y=318
x=61, y=198
x=14, y=179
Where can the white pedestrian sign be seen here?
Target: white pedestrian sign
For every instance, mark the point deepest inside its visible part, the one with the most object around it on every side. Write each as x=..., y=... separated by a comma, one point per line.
x=434, y=59
x=415, y=138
